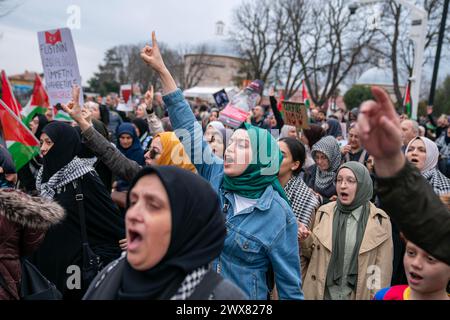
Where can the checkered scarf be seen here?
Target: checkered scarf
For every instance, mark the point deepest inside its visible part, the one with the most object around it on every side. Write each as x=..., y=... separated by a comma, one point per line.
x=189, y=283
x=303, y=200
x=439, y=182
x=72, y=171
x=330, y=147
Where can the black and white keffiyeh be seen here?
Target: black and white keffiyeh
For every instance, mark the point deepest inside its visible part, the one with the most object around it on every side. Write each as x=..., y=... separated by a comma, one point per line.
x=439, y=182
x=330, y=147
x=72, y=171
x=303, y=200
x=190, y=283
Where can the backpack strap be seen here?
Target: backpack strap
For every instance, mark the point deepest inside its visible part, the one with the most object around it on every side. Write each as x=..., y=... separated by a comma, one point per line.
x=79, y=197
x=209, y=282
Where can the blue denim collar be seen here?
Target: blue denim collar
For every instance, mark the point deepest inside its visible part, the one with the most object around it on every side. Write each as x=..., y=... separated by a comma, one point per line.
x=263, y=204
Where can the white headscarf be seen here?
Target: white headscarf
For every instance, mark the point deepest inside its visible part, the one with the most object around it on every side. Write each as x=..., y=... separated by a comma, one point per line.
x=217, y=125
x=439, y=182
x=432, y=153
x=285, y=131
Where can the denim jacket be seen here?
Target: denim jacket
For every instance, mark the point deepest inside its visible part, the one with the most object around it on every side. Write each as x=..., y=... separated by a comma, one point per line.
x=263, y=234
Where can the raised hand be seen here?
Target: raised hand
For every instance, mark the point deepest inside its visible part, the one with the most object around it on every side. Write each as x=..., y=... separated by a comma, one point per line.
x=87, y=114
x=272, y=92
x=380, y=132
x=148, y=98
x=73, y=109
x=152, y=55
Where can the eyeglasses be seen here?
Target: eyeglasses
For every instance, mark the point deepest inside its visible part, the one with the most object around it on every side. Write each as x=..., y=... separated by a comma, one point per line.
x=349, y=181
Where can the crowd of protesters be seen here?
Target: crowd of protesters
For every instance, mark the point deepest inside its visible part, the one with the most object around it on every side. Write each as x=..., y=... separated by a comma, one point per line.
x=177, y=205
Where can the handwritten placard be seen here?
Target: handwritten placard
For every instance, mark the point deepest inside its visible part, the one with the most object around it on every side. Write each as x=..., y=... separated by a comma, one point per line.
x=59, y=61
x=295, y=114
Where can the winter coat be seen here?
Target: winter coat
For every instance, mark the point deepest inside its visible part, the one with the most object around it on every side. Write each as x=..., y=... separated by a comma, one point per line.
x=62, y=247
x=107, y=283
x=23, y=223
x=374, y=259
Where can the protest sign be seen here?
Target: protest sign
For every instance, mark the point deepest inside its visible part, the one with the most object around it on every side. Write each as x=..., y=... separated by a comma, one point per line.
x=125, y=93
x=232, y=116
x=295, y=114
x=59, y=61
x=237, y=111
x=221, y=98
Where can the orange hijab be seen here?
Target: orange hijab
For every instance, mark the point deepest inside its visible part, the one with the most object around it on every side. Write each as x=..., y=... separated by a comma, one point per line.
x=173, y=153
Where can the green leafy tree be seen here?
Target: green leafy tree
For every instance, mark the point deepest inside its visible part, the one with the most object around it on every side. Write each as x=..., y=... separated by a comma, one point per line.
x=357, y=95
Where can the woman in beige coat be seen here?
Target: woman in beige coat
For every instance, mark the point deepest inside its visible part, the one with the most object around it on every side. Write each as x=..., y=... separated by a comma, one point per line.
x=349, y=250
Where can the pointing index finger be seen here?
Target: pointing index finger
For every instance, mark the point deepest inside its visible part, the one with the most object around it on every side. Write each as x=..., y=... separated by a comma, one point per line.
x=75, y=94
x=385, y=102
x=154, y=42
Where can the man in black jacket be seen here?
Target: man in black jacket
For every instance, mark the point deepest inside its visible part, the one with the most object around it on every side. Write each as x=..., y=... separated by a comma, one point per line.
x=404, y=193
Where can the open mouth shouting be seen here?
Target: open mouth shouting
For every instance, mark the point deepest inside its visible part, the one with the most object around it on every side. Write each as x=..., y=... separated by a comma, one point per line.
x=344, y=196
x=415, y=161
x=135, y=239
x=228, y=160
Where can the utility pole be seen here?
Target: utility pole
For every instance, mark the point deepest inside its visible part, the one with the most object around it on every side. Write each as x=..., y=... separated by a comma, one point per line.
x=437, y=59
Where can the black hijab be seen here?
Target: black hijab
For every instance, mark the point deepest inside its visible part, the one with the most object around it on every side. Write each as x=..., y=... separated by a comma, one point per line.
x=67, y=144
x=142, y=125
x=197, y=238
x=100, y=127
x=42, y=123
x=334, y=128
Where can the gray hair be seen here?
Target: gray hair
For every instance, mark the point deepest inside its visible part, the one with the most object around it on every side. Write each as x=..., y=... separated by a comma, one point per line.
x=415, y=126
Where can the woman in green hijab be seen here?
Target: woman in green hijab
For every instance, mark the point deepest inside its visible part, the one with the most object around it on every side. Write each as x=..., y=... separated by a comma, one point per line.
x=350, y=248
x=261, y=227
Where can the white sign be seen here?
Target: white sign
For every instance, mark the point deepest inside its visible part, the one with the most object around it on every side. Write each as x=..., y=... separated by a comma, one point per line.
x=60, y=64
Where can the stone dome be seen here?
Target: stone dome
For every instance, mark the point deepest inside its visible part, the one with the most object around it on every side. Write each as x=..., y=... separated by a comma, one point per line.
x=378, y=76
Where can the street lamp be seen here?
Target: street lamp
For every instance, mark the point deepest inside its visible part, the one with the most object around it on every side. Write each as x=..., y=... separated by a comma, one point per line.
x=417, y=33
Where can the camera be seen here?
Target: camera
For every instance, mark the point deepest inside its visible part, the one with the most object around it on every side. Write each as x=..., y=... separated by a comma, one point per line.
x=353, y=7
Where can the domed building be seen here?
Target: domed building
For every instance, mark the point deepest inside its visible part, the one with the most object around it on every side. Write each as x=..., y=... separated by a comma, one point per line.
x=213, y=66
x=382, y=77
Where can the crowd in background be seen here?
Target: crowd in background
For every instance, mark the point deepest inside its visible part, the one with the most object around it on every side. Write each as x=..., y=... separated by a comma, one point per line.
x=269, y=211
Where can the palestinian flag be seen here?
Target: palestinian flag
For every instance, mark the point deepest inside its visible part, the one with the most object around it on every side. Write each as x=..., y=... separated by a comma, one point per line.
x=38, y=104
x=62, y=116
x=8, y=96
x=20, y=141
x=407, y=104
x=305, y=96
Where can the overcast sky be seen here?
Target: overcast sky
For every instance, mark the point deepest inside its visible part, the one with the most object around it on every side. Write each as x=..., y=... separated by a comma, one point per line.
x=105, y=24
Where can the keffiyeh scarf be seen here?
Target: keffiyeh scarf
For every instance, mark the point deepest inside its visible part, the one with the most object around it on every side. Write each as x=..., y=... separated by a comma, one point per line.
x=303, y=200
x=72, y=171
